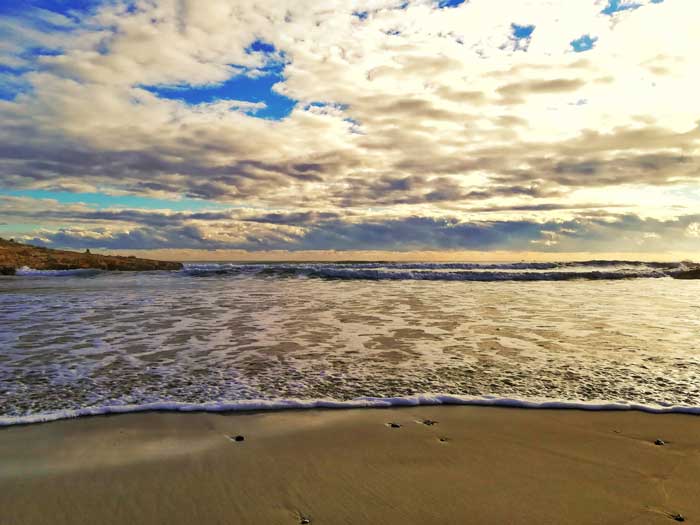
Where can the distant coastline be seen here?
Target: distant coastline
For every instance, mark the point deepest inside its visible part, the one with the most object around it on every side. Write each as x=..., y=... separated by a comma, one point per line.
x=14, y=255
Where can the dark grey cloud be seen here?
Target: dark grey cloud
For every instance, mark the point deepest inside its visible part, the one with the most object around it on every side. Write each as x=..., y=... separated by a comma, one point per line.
x=547, y=206
x=144, y=238
x=534, y=171
x=62, y=164
x=86, y=215
x=516, y=93
x=418, y=233
x=400, y=161
x=400, y=235
x=476, y=98
x=294, y=218
x=585, y=232
x=419, y=189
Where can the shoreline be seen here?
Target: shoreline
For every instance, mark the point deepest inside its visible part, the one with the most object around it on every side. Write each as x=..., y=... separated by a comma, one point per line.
x=252, y=406
x=473, y=465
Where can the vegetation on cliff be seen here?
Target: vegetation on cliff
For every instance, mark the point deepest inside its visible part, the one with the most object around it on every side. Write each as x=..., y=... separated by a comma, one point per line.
x=14, y=255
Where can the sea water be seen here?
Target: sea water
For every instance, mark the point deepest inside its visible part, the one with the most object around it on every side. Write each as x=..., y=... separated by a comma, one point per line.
x=226, y=336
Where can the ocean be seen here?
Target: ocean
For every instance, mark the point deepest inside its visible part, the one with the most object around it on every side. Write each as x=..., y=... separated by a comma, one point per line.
x=227, y=336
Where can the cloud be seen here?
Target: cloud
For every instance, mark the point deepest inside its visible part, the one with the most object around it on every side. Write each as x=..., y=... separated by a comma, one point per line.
x=516, y=93
x=625, y=233
x=258, y=230
x=410, y=114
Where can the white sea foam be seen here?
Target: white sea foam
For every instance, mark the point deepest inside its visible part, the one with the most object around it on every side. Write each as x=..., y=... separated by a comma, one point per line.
x=565, y=271
x=521, y=271
x=364, y=402
x=124, y=341
x=30, y=272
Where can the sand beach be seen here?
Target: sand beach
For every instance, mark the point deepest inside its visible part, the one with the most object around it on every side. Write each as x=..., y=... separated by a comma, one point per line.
x=471, y=465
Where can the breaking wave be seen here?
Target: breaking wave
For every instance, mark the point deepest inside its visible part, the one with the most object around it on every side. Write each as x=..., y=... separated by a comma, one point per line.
x=229, y=337
x=363, y=402
x=520, y=271
x=77, y=272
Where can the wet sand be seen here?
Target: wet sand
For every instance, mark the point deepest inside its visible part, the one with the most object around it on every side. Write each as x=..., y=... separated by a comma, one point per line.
x=475, y=465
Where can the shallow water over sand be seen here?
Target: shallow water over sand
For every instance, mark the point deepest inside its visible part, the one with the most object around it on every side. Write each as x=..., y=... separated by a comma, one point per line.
x=98, y=340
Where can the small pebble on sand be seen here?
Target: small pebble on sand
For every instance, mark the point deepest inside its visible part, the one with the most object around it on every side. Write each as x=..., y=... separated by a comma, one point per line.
x=237, y=438
x=659, y=442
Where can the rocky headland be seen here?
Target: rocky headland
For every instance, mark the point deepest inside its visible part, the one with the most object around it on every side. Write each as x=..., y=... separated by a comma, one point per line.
x=693, y=273
x=14, y=255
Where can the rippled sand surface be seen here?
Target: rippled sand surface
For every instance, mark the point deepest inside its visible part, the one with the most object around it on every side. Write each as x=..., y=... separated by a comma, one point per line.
x=99, y=340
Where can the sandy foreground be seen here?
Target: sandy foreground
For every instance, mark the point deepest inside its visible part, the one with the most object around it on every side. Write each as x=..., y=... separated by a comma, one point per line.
x=475, y=465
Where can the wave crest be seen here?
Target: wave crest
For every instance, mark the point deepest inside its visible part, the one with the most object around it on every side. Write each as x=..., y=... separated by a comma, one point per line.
x=485, y=272
x=363, y=402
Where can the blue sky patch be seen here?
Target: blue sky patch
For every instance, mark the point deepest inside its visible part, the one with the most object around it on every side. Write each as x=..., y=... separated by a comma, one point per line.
x=260, y=46
x=7, y=70
x=583, y=43
x=257, y=87
x=240, y=87
x=12, y=83
x=25, y=19
x=614, y=6
x=449, y=3
x=101, y=200
x=64, y=7
x=522, y=31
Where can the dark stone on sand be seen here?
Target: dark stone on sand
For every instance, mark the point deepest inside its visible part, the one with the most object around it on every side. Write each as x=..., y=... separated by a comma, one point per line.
x=659, y=442
x=678, y=517
x=444, y=440
x=305, y=521
x=429, y=422
x=237, y=438
x=394, y=425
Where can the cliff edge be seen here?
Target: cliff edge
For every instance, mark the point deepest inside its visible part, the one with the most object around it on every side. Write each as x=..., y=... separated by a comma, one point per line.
x=14, y=255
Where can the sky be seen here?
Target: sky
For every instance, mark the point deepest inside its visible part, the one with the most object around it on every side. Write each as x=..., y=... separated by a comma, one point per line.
x=389, y=129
